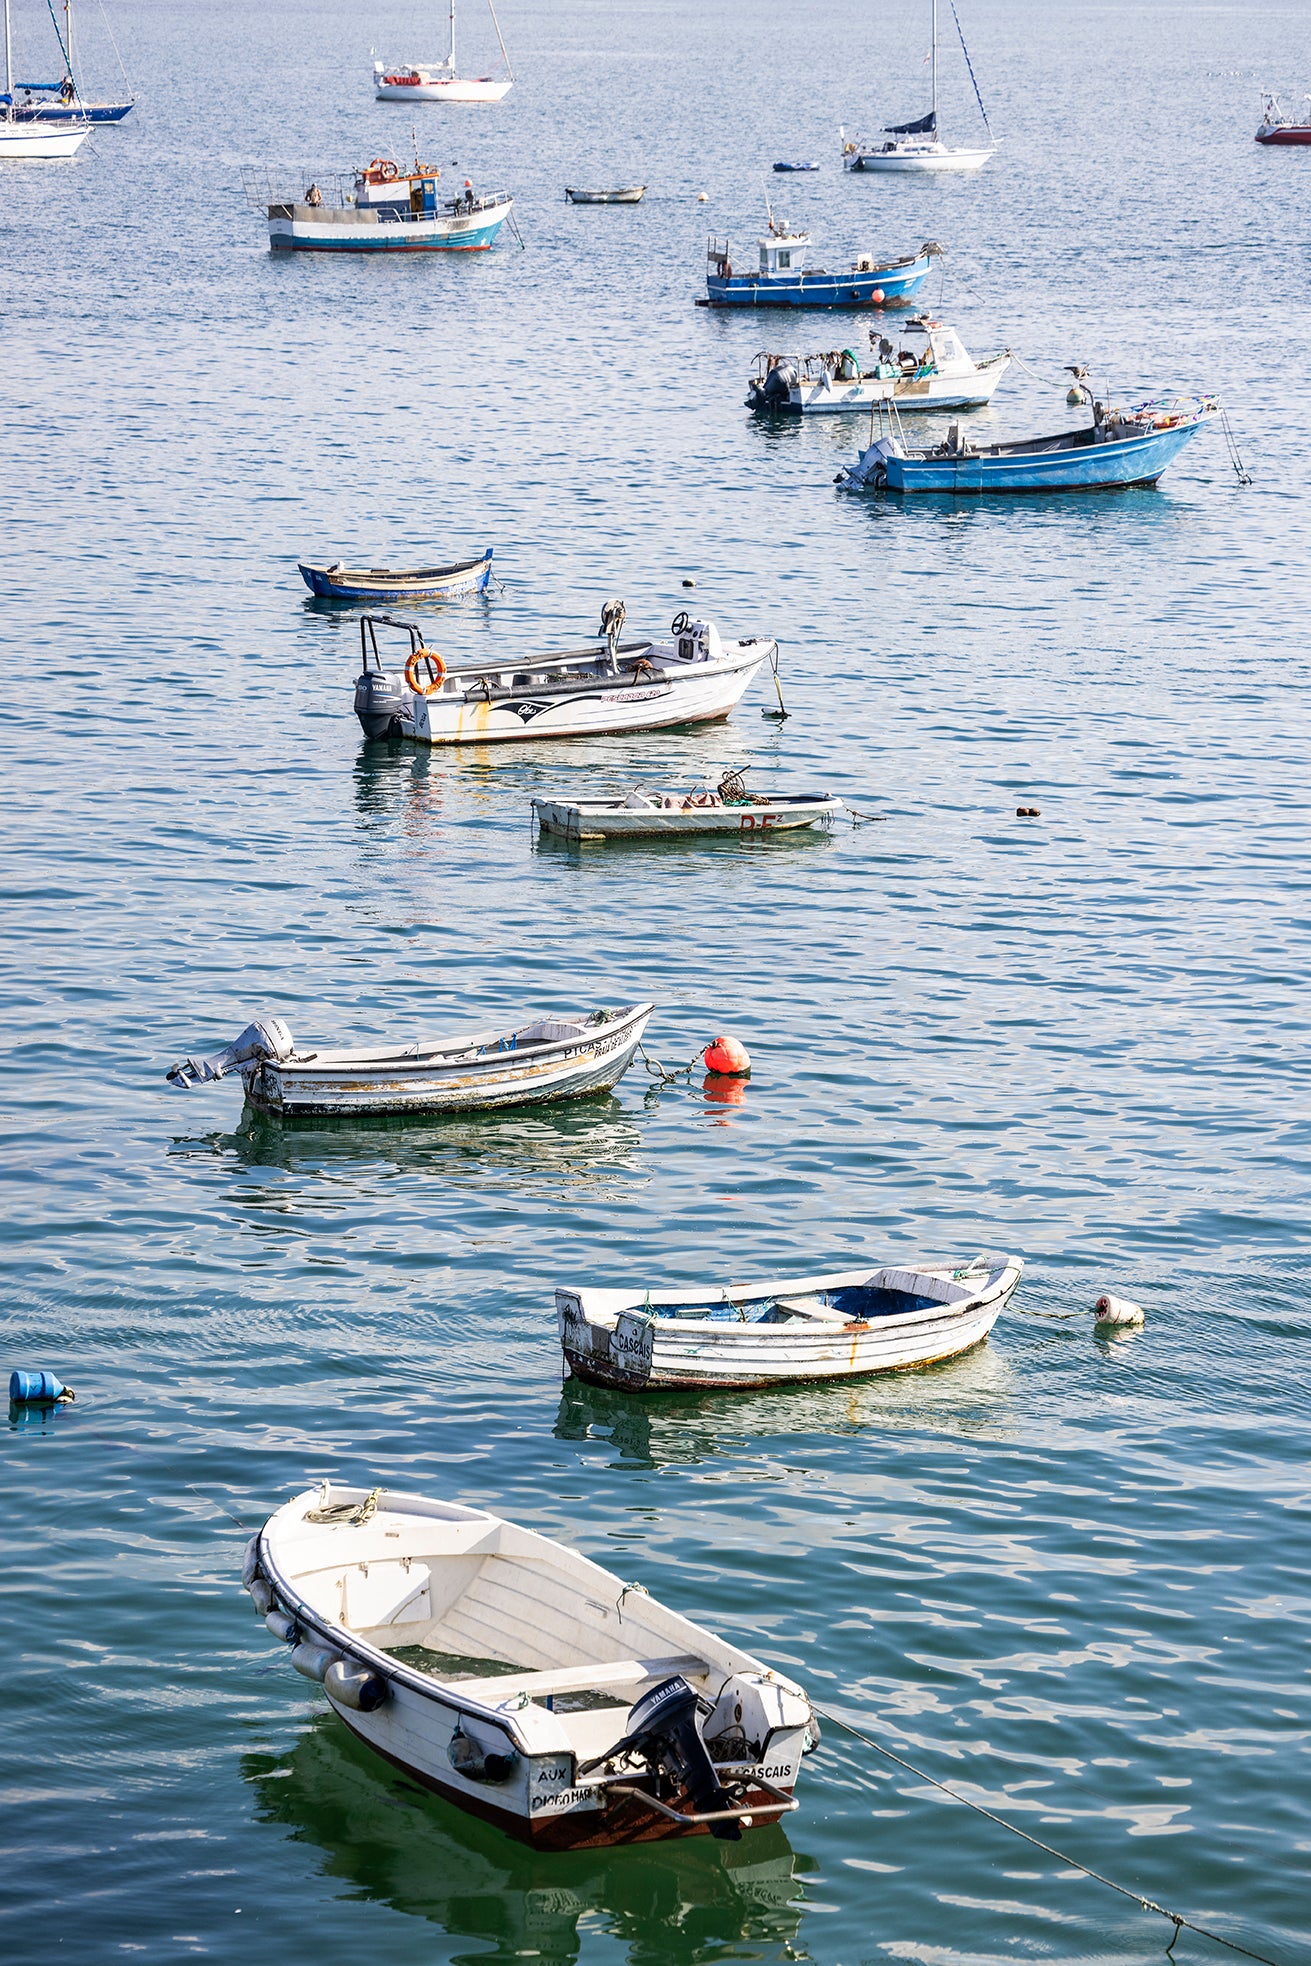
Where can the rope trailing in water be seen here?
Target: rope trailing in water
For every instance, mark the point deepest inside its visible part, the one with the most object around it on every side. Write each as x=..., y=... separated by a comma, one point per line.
x=1176, y=1918
x=1240, y=469
x=779, y=716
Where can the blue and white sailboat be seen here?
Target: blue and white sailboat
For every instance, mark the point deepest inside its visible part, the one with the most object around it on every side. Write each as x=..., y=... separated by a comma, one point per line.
x=783, y=279
x=63, y=101
x=916, y=146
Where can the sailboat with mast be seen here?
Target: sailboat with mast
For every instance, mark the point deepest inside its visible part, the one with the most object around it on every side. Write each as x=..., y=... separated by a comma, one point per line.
x=413, y=82
x=917, y=146
x=63, y=102
x=22, y=138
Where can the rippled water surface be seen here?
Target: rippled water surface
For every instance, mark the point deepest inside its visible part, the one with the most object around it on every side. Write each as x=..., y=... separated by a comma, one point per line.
x=1066, y=1576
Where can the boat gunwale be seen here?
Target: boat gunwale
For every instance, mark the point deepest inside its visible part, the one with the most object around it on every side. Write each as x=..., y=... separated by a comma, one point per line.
x=622, y=1303
x=318, y=1063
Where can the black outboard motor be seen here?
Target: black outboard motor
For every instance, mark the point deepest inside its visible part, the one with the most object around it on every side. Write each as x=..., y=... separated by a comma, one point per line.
x=664, y=1728
x=381, y=702
x=779, y=384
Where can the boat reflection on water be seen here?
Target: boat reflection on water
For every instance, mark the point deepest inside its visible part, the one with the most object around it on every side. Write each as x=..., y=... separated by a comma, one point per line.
x=967, y=1396
x=578, y=1143
x=682, y=1902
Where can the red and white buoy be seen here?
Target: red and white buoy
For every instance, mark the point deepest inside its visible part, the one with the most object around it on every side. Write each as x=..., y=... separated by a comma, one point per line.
x=727, y=1058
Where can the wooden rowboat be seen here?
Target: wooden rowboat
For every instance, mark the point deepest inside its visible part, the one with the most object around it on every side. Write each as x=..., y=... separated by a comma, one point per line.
x=520, y=1681
x=838, y=1326
x=631, y=194
x=553, y=1058
x=643, y=817
x=334, y=581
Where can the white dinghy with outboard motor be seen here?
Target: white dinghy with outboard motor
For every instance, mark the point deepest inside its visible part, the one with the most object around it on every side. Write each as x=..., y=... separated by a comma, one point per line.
x=560, y=1057
x=519, y=1680
x=838, y=1326
x=609, y=687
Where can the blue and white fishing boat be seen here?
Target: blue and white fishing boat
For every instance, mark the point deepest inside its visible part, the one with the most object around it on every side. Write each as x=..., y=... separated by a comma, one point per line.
x=783, y=278
x=1120, y=448
x=384, y=209
x=332, y=580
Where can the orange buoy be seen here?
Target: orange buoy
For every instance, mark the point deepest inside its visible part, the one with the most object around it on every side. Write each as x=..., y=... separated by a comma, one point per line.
x=878, y=296
x=727, y=1057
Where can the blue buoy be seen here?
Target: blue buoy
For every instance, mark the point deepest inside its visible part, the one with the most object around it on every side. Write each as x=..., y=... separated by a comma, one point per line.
x=37, y=1389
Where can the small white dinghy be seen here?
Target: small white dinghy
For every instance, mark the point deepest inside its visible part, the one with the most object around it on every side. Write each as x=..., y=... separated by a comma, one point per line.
x=838, y=1326
x=520, y=1681
x=553, y=1058
x=674, y=816
x=629, y=194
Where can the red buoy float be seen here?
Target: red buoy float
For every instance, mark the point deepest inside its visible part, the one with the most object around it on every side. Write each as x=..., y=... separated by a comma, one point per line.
x=878, y=296
x=727, y=1057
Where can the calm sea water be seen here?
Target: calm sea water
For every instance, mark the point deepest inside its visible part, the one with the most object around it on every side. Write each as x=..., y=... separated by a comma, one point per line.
x=1067, y=1576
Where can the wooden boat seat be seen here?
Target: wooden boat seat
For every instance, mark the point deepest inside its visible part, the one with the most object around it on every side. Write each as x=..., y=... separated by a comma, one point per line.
x=812, y=1307
x=579, y=1679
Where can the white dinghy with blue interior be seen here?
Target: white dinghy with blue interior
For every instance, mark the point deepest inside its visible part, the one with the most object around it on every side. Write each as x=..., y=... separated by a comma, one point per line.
x=560, y=1057
x=521, y=1681
x=841, y=1325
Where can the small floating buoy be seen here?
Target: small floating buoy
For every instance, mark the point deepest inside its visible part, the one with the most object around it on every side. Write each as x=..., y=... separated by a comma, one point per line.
x=689, y=583
x=1074, y=395
x=877, y=296
x=37, y=1389
x=727, y=1058
x=1028, y=812
x=1113, y=1311
x=701, y=198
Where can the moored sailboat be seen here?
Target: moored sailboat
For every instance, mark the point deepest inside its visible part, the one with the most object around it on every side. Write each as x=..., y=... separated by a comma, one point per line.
x=441, y=82
x=917, y=146
x=20, y=136
x=63, y=101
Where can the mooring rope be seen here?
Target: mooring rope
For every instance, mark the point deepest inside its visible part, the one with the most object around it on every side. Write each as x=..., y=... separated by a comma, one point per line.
x=665, y=1075
x=1177, y=1918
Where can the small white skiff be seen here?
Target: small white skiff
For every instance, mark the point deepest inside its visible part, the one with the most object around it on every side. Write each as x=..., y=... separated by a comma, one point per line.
x=630, y=194
x=520, y=1681
x=554, y=1058
x=935, y=372
x=647, y=816
x=838, y=1326
x=580, y=692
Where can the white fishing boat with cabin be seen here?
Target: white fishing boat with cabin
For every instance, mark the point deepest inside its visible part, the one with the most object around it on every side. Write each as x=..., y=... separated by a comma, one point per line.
x=442, y=81
x=916, y=146
x=841, y=1325
x=935, y=372
x=565, y=1056
x=607, y=686
x=520, y=1681
x=702, y=813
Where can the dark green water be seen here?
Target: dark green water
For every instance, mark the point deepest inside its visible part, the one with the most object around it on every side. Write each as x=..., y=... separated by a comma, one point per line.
x=1068, y=1577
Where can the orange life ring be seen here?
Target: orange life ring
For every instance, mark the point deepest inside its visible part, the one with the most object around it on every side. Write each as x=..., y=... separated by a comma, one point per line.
x=383, y=169
x=436, y=672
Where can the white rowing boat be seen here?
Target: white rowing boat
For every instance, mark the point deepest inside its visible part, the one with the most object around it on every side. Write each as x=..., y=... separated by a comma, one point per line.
x=629, y=194
x=837, y=1326
x=609, y=687
x=553, y=1058
x=520, y=1681
x=692, y=815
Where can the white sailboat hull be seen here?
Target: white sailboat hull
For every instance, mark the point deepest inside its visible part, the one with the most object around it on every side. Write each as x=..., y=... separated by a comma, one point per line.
x=935, y=157
x=24, y=140
x=440, y=88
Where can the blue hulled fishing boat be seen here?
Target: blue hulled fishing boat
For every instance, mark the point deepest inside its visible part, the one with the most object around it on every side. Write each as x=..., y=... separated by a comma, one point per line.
x=783, y=278
x=1121, y=447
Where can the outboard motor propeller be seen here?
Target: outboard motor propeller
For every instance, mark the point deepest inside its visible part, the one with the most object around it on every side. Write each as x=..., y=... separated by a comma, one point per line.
x=267, y=1037
x=665, y=1729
